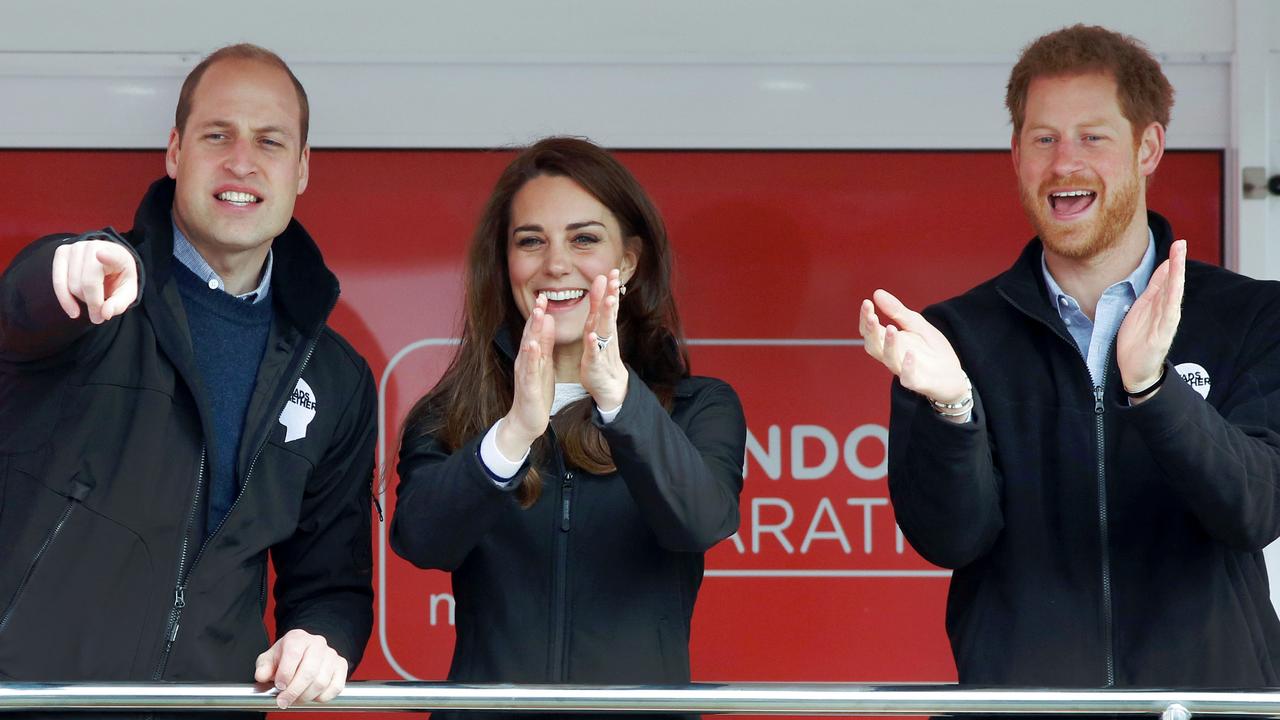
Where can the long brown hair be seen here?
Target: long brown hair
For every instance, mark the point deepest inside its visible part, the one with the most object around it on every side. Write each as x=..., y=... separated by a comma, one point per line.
x=477, y=388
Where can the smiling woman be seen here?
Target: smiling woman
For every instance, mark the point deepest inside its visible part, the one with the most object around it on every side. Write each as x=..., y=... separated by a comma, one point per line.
x=559, y=378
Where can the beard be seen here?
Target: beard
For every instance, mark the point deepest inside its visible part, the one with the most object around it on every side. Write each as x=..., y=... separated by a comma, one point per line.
x=1084, y=240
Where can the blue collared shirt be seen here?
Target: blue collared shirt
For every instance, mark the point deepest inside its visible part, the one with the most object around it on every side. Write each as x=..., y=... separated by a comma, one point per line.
x=187, y=254
x=1095, y=337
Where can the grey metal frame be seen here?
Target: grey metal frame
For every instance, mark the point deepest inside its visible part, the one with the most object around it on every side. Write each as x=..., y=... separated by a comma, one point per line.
x=738, y=698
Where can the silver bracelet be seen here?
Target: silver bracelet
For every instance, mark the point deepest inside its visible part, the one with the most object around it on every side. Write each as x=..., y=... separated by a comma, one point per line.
x=955, y=409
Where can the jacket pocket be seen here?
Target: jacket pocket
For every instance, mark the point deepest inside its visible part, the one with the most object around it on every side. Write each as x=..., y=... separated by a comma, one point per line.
x=16, y=598
x=72, y=586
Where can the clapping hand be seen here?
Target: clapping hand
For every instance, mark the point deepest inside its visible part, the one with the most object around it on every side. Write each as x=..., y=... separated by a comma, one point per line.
x=913, y=349
x=1148, y=329
x=535, y=384
x=602, y=372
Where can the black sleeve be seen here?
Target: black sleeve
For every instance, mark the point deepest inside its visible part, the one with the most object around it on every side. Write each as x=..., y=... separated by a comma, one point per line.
x=942, y=480
x=324, y=572
x=686, y=477
x=446, y=502
x=33, y=325
x=1224, y=461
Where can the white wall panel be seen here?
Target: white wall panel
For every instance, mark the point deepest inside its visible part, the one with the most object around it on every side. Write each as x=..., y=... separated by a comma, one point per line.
x=617, y=29
x=664, y=73
x=126, y=100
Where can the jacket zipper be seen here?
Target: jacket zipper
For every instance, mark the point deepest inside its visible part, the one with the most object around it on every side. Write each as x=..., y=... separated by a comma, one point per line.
x=1108, y=641
x=560, y=628
x=180, y=587
x=1099, y=411
x=179, y=593
x=35, y=561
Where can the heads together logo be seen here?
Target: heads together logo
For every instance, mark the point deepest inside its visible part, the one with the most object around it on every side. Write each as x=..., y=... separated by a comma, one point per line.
x=298, y=412
x=1195, y=376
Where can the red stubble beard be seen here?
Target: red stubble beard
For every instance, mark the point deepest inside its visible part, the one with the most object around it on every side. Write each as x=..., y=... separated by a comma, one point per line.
x=1083, y=239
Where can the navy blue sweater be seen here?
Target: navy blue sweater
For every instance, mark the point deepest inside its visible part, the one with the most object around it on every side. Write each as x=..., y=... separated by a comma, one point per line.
x=228, y=338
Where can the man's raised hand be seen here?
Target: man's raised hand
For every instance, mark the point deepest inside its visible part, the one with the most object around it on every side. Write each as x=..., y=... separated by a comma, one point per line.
x=912, y=349
x=1148, y=329
x=99, y=273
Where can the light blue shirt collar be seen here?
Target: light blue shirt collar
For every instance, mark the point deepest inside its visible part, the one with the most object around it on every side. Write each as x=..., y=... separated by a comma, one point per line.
x=1107, y=317
x=187, y=254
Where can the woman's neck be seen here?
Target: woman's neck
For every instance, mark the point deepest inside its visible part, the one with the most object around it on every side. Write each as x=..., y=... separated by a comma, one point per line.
x=568, y=362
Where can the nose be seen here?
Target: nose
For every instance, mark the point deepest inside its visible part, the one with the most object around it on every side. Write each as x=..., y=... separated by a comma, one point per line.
x=556, y=261
x=1067, y=159
x=239, y=160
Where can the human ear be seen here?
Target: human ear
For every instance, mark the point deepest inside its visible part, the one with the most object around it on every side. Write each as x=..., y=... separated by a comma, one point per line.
x=1150, y=148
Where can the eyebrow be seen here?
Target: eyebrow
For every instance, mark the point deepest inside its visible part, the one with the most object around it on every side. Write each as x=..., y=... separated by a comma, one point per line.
x=227, y=125
x=1093, y=123
x=570, y=226
x=277, y=129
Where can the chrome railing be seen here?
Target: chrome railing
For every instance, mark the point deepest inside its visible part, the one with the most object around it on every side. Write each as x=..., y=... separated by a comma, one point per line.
x=738, y=698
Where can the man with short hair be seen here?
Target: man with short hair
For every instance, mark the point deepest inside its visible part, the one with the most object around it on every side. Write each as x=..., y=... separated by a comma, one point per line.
x=173, y=408
x=1091, y=439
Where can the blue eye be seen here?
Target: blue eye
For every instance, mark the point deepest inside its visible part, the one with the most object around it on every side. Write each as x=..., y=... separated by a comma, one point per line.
x=585, y=239
x=528, y=241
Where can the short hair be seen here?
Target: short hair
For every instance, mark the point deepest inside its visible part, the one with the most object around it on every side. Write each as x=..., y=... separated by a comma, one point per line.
x=1145, y=94
x=241, y=51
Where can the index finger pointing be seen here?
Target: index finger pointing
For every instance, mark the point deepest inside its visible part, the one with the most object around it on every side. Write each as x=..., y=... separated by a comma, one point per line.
x=113, y=257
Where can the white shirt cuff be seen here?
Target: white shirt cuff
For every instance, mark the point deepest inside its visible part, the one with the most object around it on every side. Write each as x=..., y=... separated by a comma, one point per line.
x=607, y=416
x=497, y=463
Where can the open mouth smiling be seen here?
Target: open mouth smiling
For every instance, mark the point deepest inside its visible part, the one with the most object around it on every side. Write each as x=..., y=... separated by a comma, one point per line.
x=1071, y=203
x=238, y=198
x=562, y=298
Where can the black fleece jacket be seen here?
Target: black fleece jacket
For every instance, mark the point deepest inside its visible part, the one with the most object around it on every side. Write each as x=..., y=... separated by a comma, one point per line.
x=104, y=434
x=1094, y=543
x=596, y=582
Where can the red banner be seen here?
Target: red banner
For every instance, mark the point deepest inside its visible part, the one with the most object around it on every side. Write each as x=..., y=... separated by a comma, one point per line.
x=774, y=252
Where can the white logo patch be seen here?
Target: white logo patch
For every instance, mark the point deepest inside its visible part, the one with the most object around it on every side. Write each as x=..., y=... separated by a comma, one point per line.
x=1195, y=376
x=298, y=412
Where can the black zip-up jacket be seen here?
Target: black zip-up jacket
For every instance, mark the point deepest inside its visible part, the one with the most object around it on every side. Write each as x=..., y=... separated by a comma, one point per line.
x=103, y=431
x=596, y=582
x=1094, y=543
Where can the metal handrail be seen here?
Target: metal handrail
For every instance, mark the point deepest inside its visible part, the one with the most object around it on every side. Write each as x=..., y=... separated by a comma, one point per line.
x=739, y=698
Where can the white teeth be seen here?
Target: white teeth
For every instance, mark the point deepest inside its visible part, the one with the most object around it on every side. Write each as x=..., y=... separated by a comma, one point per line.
x=237, y=198
x=1072, y=193
x=563, y=294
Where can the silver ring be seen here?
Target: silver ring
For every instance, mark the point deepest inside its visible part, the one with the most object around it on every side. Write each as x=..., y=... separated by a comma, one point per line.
x=603, y=342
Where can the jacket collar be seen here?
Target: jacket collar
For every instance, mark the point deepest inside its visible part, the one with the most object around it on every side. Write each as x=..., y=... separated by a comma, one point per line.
x=304, y=289
x=1023, y=283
